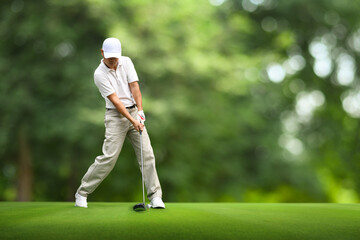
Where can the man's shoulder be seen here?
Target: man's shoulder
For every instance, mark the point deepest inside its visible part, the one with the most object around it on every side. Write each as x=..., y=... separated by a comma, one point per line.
x=127, y=63
x=99, y=75
x=124, y=59
x=100, y=70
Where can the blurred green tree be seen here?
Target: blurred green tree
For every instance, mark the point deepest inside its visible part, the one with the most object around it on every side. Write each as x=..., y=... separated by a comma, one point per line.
x=245, y=100
x=46, y=51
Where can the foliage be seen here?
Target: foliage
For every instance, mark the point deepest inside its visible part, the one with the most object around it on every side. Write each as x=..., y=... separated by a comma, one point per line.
x=237, y=106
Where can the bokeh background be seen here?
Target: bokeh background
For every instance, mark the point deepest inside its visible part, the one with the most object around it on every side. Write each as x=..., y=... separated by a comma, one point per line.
x=246, y=100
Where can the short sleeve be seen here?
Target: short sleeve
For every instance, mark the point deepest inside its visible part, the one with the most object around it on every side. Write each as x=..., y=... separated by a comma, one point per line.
x=103, y=85
x=130, y=71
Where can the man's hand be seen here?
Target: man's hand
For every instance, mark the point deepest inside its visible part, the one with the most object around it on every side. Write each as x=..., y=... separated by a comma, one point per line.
x=122, y=110
x=138, y=126
x=141, y=116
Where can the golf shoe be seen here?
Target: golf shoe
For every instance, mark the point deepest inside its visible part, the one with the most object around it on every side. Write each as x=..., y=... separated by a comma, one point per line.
x=156, y=202
x=80, y=201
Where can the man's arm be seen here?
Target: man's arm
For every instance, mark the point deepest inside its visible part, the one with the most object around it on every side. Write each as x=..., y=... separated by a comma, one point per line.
x=135, y=90
x=122, y=110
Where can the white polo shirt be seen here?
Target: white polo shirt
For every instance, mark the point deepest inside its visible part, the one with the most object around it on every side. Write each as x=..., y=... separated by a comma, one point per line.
x=110, y=81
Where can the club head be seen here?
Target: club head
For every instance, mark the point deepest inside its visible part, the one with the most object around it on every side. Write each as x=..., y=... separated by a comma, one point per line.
x=139, y=207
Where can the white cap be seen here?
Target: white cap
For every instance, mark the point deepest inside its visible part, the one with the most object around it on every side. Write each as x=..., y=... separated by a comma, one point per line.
x=112, y=48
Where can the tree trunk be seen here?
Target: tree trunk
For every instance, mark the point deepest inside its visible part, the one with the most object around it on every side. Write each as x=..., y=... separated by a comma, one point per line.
x=25, y=170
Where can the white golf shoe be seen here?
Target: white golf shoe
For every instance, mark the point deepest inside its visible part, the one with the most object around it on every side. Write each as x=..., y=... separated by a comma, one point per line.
x=156, y=202
x=80, y=201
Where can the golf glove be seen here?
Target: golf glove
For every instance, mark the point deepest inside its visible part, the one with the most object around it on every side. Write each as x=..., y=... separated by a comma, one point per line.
x=141, y=116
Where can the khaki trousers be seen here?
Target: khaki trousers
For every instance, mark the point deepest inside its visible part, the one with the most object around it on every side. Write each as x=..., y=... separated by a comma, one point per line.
x=117, y=128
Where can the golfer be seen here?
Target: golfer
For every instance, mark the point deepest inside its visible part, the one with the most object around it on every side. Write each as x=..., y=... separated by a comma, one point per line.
x=117, y=82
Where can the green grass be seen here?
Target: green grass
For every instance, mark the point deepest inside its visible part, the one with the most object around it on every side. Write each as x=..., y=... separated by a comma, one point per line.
x=50, y=220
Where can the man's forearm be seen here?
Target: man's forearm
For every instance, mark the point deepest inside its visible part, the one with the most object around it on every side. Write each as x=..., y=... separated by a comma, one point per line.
x=123, y=111
x=138, y=100
x=135, y=90
x=120, y=107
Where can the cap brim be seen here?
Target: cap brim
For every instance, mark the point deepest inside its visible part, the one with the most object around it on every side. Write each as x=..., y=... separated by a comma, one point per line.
x=112, y=55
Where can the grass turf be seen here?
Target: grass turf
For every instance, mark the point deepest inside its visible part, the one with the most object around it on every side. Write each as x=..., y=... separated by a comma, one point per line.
x=51, y=220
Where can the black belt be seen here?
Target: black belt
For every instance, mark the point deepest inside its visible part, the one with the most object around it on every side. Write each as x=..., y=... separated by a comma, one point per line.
x=131, y=107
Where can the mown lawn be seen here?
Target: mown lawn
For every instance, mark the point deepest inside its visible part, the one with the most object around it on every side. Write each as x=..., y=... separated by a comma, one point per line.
x=61, y=220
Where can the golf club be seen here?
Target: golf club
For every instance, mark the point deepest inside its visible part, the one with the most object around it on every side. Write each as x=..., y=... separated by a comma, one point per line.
x=141, y=206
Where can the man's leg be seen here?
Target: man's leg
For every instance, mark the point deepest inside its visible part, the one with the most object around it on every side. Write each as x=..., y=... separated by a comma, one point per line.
x=150, y=175
x=116, y=128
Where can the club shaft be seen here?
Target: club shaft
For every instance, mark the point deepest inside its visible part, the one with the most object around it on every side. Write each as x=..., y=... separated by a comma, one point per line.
x=142, y=168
